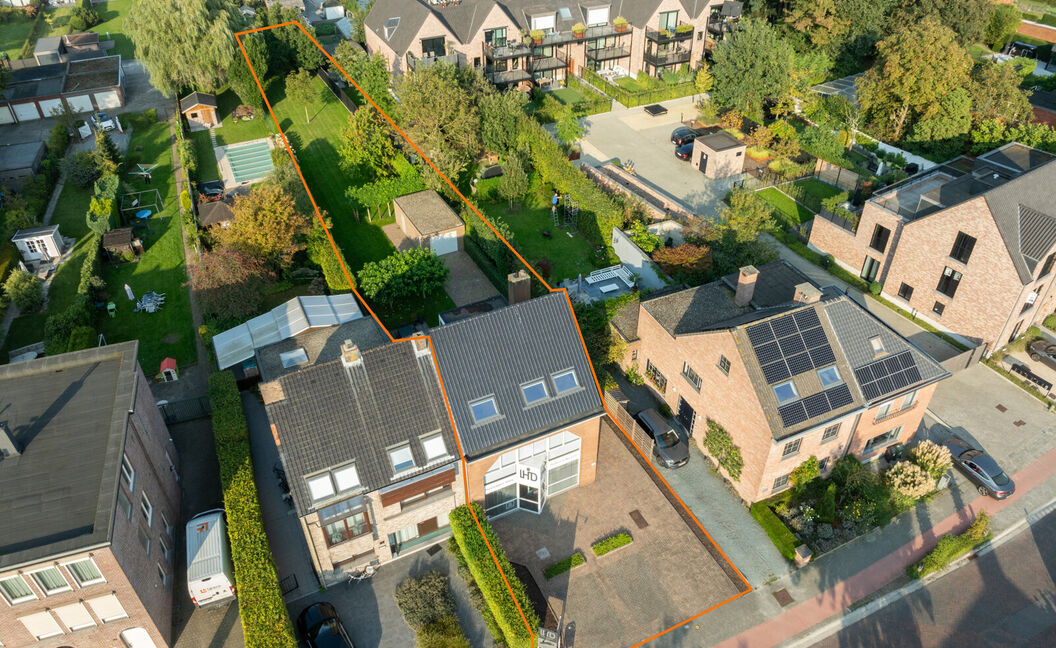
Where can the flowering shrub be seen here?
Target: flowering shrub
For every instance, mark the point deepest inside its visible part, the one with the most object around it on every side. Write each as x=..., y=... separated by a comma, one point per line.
x=932, y=457
x=909, y=479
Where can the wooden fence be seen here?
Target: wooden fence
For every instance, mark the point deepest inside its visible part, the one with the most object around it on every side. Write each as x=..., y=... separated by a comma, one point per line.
x=836, y=175
x=616, y=402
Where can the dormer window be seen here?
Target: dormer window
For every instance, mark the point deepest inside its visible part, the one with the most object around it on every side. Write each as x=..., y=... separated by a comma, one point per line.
x=484, y=409
x=320, y=487
x=878, y=346
x=401, y=458
x=434, y=447
x=534, y=392
x=565, y=381
x=598, y=16
x=390, y=27
x=336, y=480
x=346, y=478
x=544, y=22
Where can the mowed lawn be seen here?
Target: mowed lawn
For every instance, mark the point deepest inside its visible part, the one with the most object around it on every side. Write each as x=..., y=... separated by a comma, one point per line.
x=791, y=212
x=818, y=189
x=570, y=255
x=14, y=32
x=57, y=23
x=203, y=148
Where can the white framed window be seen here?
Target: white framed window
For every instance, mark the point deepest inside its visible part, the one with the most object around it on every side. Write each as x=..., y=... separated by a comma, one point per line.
x=434, y=446
x=598, y=16
x=883, y=410
x=85, y=572
x=484, y=409
x=75, y=616
x=164, y=575
x=565, y=381
x=401, y=458
x=534, y=392
x=910, y=398
x=791, y=448
x=829, y=376
x=166, y=550
x=144, y=537
x=321, y=487
x=51, y=581
x=108, y=608
x=41, y=625
x=346, y=478
x=147, y=508
x=877, y=344
x=16, y=590
x=124, y=504
x=785, y=392
x=128, y=474
x=544, y=22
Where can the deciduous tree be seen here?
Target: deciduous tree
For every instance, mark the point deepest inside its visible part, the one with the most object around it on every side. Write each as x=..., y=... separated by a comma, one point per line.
x=687, y=262
x=241, y=77
x=1003, y=24
x=967, y=18
x=500, y=119
x=996, y=93
x=366, y=145
x=230, y=284
x=818, y=19
x=747, y=215
x=24, y=290
x=568, y=129
x=415, y=272
x=267, y=225
x=753, y=63
x=368, y=71
x=514, y=181
x=186, y=44
x=302, y=89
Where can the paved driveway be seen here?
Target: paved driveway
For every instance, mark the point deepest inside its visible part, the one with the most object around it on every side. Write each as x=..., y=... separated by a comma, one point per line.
x=634, y=135
x=662, y=578
x=466, y=284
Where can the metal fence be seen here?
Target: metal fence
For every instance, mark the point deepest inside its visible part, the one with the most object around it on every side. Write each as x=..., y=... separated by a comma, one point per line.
x=616, y=401
x=185, y=410
x=837, y=220
x=842, y=178
x=338, y=91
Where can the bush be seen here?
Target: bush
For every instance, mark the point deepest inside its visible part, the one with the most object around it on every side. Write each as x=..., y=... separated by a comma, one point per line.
x=952, y=546
x=654, y=91
x=25, y=291
x=603, y=547
x=58, y=140
x=424, y=599
x=933, y=458
x=188, y=158
x=720, y=445
x=150, y=115
x=82, y=337
x=330, y=261
x=909, y=480
x=562, y=566
x=325, y=29
x=265, y=621
x=475, y=549
x=827, y=505
x=475, y=596
x=827, y=261
x=81, y=169
x=804, y=473
x=779, y=534
x=875, y=288
x=442, y=633
x=58, y=327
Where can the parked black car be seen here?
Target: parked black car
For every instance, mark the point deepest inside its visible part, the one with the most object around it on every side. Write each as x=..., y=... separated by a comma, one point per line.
x=684, y=152
x=685, y=134
x=670, y=449
x=321, y=627
x=980, y=468
x=1044, y=352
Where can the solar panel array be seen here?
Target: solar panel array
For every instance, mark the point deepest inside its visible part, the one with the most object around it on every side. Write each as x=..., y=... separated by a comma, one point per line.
x=887, y=375
x=791, y=345
x=816, y=405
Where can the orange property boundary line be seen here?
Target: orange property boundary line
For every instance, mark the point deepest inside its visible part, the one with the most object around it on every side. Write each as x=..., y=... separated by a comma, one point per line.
x=461, y=454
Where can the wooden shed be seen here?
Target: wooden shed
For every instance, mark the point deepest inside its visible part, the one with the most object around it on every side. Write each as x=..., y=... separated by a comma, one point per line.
x=121, y=245
x=719, y=155
x=200, y=108
x=425, y=218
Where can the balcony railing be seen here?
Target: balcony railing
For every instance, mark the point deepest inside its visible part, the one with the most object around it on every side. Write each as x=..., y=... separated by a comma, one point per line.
x=414, y=62
x=554, y=38
x=544, y=63
x=508, y=51
x=607, y=53
x=664, y=59
x=604, y=31
x=508, y=76
x=662, y=36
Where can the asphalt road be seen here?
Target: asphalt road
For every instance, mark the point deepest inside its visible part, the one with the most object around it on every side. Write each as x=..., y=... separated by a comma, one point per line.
x=1006, y=599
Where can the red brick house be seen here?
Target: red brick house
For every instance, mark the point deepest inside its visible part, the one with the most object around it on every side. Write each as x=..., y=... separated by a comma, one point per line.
x=969, y=245
x=787, y=369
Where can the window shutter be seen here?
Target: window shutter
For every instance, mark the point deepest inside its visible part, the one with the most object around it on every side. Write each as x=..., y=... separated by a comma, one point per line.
x=75, y=616
x=41, y=625
x=108, y=608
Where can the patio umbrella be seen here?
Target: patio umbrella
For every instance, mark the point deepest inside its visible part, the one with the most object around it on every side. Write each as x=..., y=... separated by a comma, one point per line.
x=128, y=291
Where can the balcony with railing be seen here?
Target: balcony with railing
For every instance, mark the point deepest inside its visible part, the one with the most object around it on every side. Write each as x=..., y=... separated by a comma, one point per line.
x=414, y=62
x=683, y=32
x=505, y=52
x=670, y=57
x=555, y=38
x=544, y=63
x=502, y=77
x=604, y=31
x=608, y=53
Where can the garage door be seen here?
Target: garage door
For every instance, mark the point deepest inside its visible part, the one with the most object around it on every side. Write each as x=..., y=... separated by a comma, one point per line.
x=107, y=100
x=444, y=243
x=80, y=104
x=26, y=112
x=50, y=106
x=6, y=116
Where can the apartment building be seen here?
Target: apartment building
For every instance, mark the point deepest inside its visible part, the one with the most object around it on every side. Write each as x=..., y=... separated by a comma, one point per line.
x=89, y=494
x=788, y=369
x=496, y=36
x=969, y=245
x=366, y=439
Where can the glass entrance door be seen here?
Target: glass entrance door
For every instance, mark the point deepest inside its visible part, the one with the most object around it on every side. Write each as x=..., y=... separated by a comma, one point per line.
x=529, y=498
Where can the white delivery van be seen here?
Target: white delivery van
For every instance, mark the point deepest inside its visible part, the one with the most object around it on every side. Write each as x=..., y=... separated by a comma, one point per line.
x=210, y=578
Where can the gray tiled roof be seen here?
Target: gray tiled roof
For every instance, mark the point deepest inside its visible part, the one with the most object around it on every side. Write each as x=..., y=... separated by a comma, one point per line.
x=428, y=212
x=196, y=99
x=331, y=415
x=1023, y=211
x=495, y=353
x=68, y=415
x=625, y=321
x=214, y=213
x=321, y=345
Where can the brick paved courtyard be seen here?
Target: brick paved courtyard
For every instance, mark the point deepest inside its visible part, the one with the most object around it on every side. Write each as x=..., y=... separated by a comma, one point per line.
x=664, y=577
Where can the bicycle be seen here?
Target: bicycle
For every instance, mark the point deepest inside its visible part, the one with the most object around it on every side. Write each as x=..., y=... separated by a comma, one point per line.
x=361, y=574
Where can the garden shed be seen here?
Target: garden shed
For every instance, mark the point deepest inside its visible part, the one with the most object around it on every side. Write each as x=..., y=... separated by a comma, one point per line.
x=39, y=243
x=425, y=218
x=215, y=213
x=719, y=155
x=200, y=108
x=121, y=245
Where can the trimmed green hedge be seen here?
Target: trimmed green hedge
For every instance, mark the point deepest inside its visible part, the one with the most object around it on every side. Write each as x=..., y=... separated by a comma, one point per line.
x=329, y=260
x=265, y=621
x=488, y=578
x=603, y=547
x=779, y=534
x=562, y=566
x=952, y=546
x=632, y=99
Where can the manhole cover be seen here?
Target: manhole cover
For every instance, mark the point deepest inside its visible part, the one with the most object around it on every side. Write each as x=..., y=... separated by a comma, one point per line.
x=543, y=553
x=1019, y=423
x=1001, y=408
x=783, y=597
x=639, y=519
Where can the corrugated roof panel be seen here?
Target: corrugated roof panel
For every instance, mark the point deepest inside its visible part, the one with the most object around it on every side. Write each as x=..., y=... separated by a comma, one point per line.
x=290, y=318
x=346, y=308
x=233, y=346
x=262, y=330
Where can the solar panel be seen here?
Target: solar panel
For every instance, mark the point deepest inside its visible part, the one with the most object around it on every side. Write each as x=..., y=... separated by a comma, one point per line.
x=839, y=396
x=792, y=345
x=784, y=326
x=913, y=374
x=815, y=337
x=760, y=333
x=906, y=360
x=792, y=413
x=768, y=353
x=863, y=374
x=807, y=319
x=816, y=405
x=887, y=375
x=871, y=391
x=799, y=363
x=822, y=356
x=892, y=365
x=899, y=380
x=775, y=372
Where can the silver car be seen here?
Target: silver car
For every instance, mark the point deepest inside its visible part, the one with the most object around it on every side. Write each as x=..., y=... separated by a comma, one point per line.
x=980, y=468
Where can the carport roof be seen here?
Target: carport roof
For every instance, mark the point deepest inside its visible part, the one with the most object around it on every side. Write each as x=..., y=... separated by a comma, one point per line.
x=428, y=212
x=19, y=156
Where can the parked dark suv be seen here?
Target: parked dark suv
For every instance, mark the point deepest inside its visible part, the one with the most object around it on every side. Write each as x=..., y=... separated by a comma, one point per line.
x=1044, y=352
x=685, y=134
x=321, y=627
x=670, y=448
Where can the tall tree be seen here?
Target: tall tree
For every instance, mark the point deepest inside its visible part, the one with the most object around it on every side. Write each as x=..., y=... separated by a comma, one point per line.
x=288, y=47
x=267, y=226
x=369, y=72
x=514, y=182
x=1003, y=24
x=568, y=129
x=187, y=44
x=747, y=216
x=301, y=88
x=967, y=18
x=753, y=63
x=366, y=146
x=819, y=20
x=500, y=120
x=230, y=284
x=416, y=272
x=996, y=93
x=241, y=77
x=945, y=133
x=915, y=68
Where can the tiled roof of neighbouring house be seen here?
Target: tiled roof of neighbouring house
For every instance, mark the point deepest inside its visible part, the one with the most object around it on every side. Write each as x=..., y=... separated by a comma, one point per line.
x=197, y=99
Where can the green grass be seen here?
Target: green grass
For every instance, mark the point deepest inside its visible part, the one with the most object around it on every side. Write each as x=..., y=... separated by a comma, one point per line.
x=203, y=147
x=612, y=543
x=817, y=188
x=232, y=132
x=562, y=566
x=792, y=211
x=630, y=84
x=13, y=33
x=570, y=255
x=113, y=26
x=778, y=533
x=567, y=96
x=56, y=22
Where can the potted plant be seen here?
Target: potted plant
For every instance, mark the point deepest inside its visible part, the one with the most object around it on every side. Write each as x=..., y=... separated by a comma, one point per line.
x=620, y=24
x=684, y=29
x=537, y=36
x=579, y=30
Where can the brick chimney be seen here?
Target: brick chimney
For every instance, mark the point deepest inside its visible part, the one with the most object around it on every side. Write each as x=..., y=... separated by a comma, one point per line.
x=520, y=287
x=350, y=355
x=272, y=392
x=807, y=293
x=746, y=285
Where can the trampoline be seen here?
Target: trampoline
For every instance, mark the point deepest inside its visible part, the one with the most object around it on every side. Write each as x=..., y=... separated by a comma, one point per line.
x=249, y=162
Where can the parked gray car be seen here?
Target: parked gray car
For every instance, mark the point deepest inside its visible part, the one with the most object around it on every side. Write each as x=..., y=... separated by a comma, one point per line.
x=980, y=468
x=1044, y=352
x=670, y=449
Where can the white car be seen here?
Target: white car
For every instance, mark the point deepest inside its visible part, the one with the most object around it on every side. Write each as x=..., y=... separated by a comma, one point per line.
x=104, y=122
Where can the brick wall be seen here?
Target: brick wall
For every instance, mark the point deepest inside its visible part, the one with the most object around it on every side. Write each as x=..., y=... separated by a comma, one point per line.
x=909, y=418
x=852, y=249
x=1037, y=30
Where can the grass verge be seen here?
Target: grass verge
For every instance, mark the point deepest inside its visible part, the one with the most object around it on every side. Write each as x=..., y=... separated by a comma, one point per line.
x=778, y=533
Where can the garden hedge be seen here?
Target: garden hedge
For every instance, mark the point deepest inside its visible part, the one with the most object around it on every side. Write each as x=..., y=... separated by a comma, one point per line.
x=488, y=578
x=562, y=566
x=603, y=547
x=329, y=260
x=632, y=99
x=265, y=621
x=952, y=546
x=779, y=534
